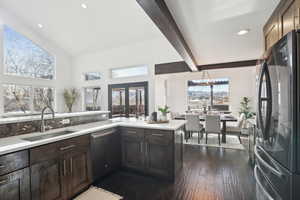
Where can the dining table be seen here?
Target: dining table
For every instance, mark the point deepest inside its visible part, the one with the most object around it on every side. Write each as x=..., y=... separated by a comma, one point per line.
x=224, y=118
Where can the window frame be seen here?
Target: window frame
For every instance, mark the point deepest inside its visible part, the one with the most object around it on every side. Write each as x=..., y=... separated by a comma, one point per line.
x=84, y=95
x=129, y=67
x=5, y=73
x=216, y=78
x=31, y=106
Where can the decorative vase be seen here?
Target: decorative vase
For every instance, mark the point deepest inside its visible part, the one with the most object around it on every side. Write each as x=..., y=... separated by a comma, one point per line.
x=164, y=117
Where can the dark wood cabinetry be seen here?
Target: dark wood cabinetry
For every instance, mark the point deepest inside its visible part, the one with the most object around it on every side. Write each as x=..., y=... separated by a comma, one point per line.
x=14, y=176
x=15, y=185
x=285, y=18
x=150, y=151
x=60, y=170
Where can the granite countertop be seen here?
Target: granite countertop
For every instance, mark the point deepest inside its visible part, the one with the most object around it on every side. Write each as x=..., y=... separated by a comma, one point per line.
x=16, y=143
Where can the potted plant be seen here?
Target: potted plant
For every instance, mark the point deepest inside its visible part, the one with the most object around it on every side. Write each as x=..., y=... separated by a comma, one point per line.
x=70, y=97
x=164, y=111
x=246, y=109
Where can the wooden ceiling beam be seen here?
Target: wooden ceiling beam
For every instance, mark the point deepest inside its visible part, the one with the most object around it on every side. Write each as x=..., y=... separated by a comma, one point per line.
x=243, y=63
x=160, y=14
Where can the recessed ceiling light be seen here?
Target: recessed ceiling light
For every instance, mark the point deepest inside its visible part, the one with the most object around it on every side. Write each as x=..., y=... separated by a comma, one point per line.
x=40, y=25
x=243, y=32
x=83, y=5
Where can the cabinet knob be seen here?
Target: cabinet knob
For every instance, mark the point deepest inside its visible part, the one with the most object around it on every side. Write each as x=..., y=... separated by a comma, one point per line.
x=106, y=165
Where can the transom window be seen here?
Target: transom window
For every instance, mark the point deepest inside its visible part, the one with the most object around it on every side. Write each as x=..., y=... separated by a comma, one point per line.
x=213, y=93
x=141, y=70
x=24, y=58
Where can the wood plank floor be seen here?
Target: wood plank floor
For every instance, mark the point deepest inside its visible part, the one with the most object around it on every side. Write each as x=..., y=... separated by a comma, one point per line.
x=208, y=174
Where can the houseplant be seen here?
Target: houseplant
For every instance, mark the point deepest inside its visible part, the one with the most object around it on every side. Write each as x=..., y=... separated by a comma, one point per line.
x=164, y=111
x=70, y=97
x=245, y=108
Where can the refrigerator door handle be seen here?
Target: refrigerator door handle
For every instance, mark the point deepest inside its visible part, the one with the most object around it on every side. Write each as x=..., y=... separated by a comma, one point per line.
x=260, y=184
x=272, y=169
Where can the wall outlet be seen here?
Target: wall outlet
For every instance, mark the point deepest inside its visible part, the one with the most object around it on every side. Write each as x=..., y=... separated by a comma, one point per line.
x=65, y=121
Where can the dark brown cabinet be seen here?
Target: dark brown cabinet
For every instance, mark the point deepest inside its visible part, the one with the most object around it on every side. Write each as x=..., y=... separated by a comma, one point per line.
x=132, y=148
x=150, y=151
x=159, y=151
x=15, y=185
x=285, y=18
x=60, y=170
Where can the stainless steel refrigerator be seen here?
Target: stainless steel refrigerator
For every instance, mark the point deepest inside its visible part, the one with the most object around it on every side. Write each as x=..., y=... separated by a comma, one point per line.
x=277, y=150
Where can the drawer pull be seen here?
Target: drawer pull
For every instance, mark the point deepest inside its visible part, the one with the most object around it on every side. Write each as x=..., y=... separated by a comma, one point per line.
x=3, y=182
x=2, y=166
x=67, y=147
x=158, y=135
x=131, y=131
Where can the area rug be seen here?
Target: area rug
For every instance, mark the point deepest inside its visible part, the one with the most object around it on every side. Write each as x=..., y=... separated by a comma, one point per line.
x=94, y=193
x=232, y=141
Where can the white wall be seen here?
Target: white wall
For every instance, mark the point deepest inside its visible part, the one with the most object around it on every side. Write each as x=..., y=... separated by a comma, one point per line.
x=63, y=61
x=242, y=83
x=146, y=53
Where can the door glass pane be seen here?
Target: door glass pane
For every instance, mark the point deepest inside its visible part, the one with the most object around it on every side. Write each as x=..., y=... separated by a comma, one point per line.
x=136, y=101
x=118, y=102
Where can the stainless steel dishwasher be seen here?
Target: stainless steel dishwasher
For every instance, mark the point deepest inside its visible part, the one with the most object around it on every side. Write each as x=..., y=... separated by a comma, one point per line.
x=106, y=152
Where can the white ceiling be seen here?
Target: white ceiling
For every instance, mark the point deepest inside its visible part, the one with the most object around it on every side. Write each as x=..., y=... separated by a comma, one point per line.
x=103, y=25
x=210, y=27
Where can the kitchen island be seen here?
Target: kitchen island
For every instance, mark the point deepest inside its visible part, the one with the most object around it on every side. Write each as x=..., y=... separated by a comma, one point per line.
x=61, y=166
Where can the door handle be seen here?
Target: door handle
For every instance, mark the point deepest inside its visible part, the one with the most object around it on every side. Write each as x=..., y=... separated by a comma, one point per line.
x=102, y=134
x=67, y=147
x=158, y=135
x=272, y=169
x=260, y=184
x=71, y=166
x=141, y=146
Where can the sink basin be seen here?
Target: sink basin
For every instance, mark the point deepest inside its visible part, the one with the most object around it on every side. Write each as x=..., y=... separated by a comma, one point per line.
x=47, y=136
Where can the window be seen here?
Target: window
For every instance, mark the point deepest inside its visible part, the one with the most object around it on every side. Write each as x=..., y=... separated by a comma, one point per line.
x=16, y=98
x=42, y=96
x=24, y=58
x=92, y=98
x=91, y=76
x=129, y=72
x=19, y=98
x=209, y=93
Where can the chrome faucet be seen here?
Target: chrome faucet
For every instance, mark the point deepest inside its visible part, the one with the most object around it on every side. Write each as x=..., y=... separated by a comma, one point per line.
x=42, y=117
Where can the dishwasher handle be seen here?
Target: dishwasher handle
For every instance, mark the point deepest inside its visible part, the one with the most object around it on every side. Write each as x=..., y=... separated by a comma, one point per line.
x=102, y=134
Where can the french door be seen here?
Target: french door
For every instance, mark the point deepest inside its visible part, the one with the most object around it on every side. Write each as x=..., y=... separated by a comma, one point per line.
x=128, y=99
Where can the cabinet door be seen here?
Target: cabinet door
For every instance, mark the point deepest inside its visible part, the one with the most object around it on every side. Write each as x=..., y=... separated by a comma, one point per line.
x=99, y=145
x=15, y=186
x=48, y=180
x=288, y=17
x=79, y=171
x=159, y=154
x=271, y=36
x=132, y=153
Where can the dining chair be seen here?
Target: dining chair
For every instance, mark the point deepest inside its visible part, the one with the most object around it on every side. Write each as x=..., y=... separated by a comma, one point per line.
x=213, y=125
x=237, y=128
x=193, y=125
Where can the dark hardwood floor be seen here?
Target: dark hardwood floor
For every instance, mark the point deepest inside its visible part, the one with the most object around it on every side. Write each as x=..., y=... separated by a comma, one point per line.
x=208, y=174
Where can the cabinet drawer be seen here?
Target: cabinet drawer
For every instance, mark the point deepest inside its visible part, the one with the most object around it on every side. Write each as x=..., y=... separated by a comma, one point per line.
x=55, y=149
x=159, y=136
x=14, y=161
x=133, y=132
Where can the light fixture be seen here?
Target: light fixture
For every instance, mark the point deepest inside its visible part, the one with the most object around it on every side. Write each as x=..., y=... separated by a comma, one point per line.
x=83, y=5
x=243, y=32
x=40, y=25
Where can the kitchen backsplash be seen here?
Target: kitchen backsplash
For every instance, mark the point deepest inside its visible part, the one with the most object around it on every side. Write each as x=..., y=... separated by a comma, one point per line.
x=19, y=128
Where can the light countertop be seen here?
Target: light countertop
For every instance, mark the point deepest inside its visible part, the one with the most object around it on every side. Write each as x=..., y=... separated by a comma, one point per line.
x=16, y=143
x=9, y=120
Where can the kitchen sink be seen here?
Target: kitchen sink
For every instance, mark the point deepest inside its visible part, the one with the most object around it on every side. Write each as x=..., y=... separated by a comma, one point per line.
x=47, y=136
